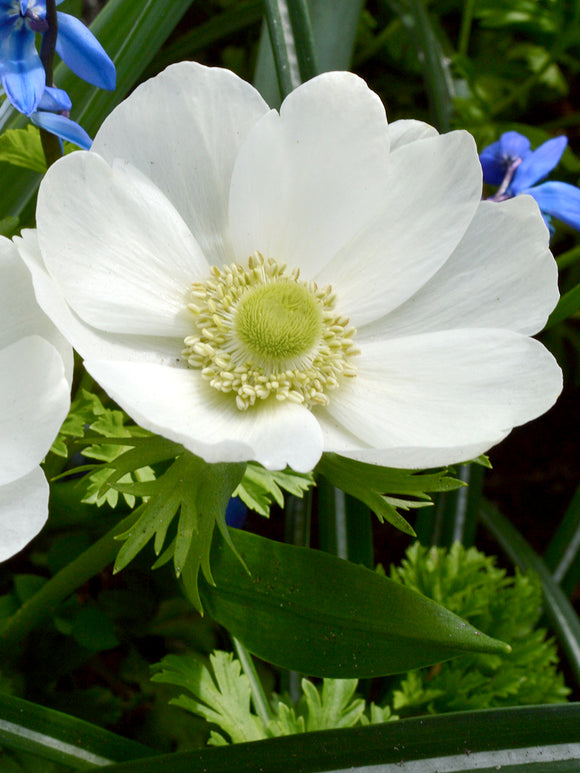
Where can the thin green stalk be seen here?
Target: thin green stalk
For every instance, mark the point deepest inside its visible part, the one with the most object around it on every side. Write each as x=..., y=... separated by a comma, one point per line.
x=562, y=555
x=40, y=606
x=558, y=609
x=259, y=698
x=465, y=31
x=568, y=258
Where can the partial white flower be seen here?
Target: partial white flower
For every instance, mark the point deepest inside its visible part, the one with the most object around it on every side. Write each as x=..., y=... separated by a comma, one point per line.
x=36, y=368
x=270, y=286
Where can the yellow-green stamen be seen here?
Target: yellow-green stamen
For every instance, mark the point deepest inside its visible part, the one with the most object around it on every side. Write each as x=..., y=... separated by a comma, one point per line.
x=262, y=332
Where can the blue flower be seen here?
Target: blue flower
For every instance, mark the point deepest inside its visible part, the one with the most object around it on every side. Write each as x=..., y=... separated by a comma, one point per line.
x=21, y=70
x=510, y=164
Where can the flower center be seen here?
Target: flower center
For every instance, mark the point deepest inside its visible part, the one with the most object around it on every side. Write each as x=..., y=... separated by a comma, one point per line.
x=278, y=321
x=261, y=332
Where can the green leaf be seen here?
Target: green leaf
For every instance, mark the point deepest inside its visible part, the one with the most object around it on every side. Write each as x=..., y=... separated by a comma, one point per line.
x=259, y=487
x=368, y=483
x=22, y=147
x=543, y=739
x=311, y=612
x=436, y=70
x=568, y=305
x=199, y=493
x=563, y=553
x=221, y=693
x=9, y=226
x=292, y=42
x=334, y=26
x=560, y=612
x=61, y=738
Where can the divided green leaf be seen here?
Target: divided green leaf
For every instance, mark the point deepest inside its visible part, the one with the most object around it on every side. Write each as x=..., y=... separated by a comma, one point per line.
x=384, y=489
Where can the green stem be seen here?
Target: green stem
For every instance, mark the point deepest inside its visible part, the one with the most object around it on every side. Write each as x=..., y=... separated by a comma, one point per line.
x=568, y=258
x=465, y=31
x=40, y=606
x=292, y=42
x=258, y=695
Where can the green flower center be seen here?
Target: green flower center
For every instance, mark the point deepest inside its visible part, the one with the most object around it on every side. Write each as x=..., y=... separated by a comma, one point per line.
x=278, y=321
x=263, y=332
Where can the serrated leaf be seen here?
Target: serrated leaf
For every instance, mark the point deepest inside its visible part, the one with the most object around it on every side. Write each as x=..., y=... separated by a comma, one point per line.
x=259, y=487
x=199, y=493
x=22, y=147
x=334, y=706
x=220, y=694
x=369, y=483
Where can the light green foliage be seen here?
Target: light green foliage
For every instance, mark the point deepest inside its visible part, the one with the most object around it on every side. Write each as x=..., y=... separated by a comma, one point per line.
x=89, y=416
x=260, y=487
x=22, y=147
x=221, y=694
x=383, y=489
x=470, y=584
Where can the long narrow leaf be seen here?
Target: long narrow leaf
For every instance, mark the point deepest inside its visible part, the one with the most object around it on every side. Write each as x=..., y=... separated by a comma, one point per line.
x=560, y=612
x=334, y=25
x=563, y=553
x=568, y=305
x=58, y=737
x=292, y=42
x=436, y=70
x=518, y=740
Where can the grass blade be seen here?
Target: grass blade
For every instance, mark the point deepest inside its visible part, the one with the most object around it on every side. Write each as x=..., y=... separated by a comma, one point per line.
x=559, y=611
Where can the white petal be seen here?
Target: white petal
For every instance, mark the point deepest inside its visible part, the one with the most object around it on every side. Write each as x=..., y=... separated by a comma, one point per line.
x=449, y=391
x=183, y=129
x=20, y=313
x=88, y=341
x=177, y=404
x=502, y=275
x=23, y=511
x=305, y=182
x=409, y=130
x=34, y=401
x=121, y=253
x=434, y=190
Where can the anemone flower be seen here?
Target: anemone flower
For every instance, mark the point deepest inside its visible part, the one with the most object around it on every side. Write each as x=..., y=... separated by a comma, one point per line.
x=36, y=367
x=271, y=286
x=21, y=70
x=510, y=164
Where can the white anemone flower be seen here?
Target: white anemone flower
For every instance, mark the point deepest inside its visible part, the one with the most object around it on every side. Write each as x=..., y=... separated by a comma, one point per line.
x=36, y=368
x=270, y=286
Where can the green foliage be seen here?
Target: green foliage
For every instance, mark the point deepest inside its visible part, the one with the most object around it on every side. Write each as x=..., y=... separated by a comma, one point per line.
x=22, y=147
x=222, y=694
x=259, y=487
x=89, y=416
x=470, y=584
x=369, y=484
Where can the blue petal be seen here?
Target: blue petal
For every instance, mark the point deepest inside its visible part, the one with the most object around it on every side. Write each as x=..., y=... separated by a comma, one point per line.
x=236, y=513
x=78, y=47
x=560, y=200
x=514, y=145
x=538, y=164
x=55, y=100
x=497, y=157
x=492, y=164
x=22, y=73
x=62, y=127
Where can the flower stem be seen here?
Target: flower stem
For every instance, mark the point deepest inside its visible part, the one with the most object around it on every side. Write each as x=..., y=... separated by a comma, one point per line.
x=50, y=143
x=258, y=695
x=40, y=606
